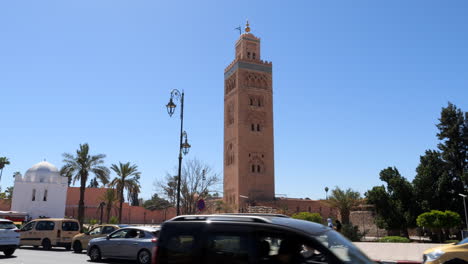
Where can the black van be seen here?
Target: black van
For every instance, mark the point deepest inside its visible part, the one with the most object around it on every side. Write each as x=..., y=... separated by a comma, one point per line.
x=251, y=238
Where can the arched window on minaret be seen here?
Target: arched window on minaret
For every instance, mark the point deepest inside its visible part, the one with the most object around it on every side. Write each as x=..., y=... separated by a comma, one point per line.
x=45, y=196
x=33, y=195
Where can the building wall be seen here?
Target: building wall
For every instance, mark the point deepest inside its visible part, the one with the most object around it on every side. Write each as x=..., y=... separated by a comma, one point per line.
x=52, y=206
x=364, y=219
x=130, y=214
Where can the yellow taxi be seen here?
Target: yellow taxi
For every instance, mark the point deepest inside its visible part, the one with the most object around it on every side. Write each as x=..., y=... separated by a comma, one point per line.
x=80, y=241
x=448, y=253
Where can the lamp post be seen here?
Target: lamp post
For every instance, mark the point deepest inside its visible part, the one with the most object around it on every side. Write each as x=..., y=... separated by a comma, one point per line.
x=464, y=205
x=184, y=146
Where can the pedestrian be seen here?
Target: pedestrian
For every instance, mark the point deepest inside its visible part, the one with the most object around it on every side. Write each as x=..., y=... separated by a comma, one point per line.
x=330, y=223
x=338, y=225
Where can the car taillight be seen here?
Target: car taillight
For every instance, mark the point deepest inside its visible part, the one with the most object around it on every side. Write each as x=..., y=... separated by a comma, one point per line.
x=155, y=252
x=154, y=240
x=18, y=230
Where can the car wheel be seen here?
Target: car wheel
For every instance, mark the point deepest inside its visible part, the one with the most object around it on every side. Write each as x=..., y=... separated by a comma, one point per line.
x=35, y=246
x=8, y=252
x=46, y=244
x=95, y=254
x=144, y=257
x=67, y=248
x=77, y=248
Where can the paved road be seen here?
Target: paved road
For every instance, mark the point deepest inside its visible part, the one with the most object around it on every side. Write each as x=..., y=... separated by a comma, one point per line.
x=28, y=255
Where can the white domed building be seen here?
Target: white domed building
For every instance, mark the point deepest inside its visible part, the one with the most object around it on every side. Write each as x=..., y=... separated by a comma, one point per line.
x=41, y=192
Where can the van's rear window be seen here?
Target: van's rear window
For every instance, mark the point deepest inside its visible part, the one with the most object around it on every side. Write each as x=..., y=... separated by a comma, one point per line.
x=70, y=226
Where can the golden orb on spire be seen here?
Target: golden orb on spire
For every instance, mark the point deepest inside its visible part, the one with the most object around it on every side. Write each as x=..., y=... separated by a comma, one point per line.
x=247, y=27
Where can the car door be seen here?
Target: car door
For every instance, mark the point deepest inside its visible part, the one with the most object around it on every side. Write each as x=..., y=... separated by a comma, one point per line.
x=95, y=232
x=132, y=243
x=112, y=247
x=26, y=234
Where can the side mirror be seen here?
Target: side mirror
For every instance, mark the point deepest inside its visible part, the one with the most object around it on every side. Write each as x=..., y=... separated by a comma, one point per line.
x=107, y=237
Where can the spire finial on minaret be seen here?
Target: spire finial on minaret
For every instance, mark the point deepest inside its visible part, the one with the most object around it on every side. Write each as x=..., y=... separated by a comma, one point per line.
x=247, y=27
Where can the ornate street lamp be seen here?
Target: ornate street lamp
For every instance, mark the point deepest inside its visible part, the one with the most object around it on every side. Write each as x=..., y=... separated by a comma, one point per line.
x=184, y=146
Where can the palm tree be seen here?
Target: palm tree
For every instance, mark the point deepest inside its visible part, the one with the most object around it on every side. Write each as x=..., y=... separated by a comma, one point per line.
x=128, y=178
x=79, y=167
x=109, y=198
x=3, y=162
x=344, y=201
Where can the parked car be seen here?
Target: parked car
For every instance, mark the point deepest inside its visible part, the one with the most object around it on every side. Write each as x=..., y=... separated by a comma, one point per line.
x=80, y=241
x=133, y=243
x=9, y=237
x=49, y=232
x=251, y=238
x=448, y=253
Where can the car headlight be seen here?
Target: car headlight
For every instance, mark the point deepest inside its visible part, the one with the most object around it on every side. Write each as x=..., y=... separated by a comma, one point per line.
x=434, y=255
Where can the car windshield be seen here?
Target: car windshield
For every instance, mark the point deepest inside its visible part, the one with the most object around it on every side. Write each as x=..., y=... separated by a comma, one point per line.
x=7, y=225
x=342, y=248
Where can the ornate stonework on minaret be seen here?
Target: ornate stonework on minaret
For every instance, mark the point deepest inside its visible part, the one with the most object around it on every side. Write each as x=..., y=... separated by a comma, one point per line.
x=249, y=174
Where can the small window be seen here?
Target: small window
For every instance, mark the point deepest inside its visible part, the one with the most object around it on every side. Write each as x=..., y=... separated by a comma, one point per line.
x=248, y=55
x=258, y=168
x=34, y=195
x=28, y=226
x=95, y=231
x=70, y=226
x=253, y=55
x=309, y=209
x=251, y=101
x=258, y=127
x=108, y=230
x=45, y=196
x=252, y=127
x=253, y=168
x=297, y=209
x=45, y=225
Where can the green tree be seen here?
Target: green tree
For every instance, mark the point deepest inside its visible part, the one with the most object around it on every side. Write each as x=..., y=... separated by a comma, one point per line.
x=79, y=166
x=156, y=203
x=311, y=217
x=439, y=222
x=109, y=198
x=442, y=175
x=127, y=179
x=344, y=201
x=93, y=183
x=392, y=203
x=3, y=162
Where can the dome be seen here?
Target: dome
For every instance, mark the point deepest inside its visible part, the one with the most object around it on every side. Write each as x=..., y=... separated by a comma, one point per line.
x=43, y=172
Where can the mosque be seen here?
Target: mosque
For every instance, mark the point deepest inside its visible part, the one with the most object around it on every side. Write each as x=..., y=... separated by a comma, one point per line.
x=41, y=192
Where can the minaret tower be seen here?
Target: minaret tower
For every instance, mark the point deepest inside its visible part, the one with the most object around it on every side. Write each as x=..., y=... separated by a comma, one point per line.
x=249, y=172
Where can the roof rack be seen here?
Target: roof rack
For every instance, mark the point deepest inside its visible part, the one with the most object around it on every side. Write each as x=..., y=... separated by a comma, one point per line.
x=259, y=218
x=258, y=214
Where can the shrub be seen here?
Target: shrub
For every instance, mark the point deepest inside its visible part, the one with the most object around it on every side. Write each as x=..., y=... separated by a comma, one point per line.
x=352, y=232
x=93, y=222
x=394, y=239
x=114, y=220
x=312, y=217
x=451, y=241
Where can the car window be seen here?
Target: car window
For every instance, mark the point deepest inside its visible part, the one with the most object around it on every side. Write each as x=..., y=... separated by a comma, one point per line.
x=179, y=249
x=464, y=241
x=120, y=233
x=108, y=229
x=28, y=226
x=282, y=248
x=7, y=225
x=70, y=226
x=227, y=249
x=133, y=233
x=95, y=231
x=342, y=248
x=45, y=225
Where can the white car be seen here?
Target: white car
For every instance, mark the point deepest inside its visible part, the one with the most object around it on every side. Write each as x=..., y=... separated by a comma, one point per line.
x=9, y=237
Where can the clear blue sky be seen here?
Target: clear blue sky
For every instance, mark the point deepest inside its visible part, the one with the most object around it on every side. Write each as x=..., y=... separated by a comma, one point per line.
x=358, y=85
